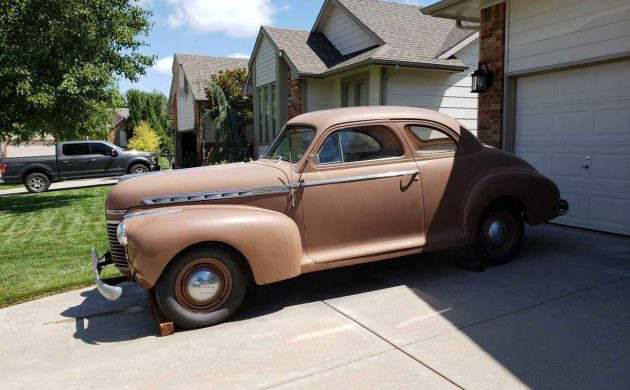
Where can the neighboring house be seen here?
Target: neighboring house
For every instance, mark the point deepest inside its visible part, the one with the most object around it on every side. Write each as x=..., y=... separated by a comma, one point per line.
x=118, y=135
x=45, y=146
x=362, y=52
x=561, y=96
x=186, y=103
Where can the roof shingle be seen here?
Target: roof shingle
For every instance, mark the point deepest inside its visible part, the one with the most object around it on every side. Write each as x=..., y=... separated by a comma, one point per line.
x=410, y=38
x=200, y=68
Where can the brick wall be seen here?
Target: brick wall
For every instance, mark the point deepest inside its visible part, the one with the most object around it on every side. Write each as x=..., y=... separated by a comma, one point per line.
x=294, y=97
x=492, y=46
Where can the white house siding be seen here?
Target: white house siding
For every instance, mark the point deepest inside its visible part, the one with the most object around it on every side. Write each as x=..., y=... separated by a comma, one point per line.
x=33, y=148
x=345, y=33
x=445, y=92
x=185, y=105
x=551, y=32
x=265, y=63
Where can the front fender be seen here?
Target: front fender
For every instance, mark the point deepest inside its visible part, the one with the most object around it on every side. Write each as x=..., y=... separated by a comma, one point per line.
x=269, y=241
x=538, y=194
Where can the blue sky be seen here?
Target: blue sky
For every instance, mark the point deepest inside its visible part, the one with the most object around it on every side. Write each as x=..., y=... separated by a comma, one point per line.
x=216, y=28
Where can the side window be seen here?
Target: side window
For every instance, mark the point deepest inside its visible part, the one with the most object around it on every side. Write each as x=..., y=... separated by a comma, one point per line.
x=428, y=140
x=360, y=144
x=79, y=149
x=100, y=148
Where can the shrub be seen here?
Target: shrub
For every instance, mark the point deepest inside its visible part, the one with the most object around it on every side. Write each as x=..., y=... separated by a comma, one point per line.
x=144, y=138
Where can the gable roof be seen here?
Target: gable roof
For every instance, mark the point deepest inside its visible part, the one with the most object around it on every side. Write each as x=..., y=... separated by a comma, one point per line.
x=200, y=68
x=409, y=38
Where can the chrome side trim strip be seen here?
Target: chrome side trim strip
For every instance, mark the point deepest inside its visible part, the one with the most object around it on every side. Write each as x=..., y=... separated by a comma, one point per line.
x=247, y=192
x=215, y=195
x=115, y=212
x=359, y=178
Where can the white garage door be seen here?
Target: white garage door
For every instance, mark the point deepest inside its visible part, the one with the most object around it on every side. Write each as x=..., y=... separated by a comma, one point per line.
x=574, y=127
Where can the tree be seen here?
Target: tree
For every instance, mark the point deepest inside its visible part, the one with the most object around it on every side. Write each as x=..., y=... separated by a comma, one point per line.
x=144, y=138
x=231, y=113
x=150, y=107
x=58, y=60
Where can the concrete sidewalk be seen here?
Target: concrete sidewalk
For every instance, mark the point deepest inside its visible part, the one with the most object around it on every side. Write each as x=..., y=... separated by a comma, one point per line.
x=66, y=185
x=558, y=316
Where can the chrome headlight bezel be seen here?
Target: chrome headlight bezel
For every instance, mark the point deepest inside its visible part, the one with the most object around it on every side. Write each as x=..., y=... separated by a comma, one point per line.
x=121, y=234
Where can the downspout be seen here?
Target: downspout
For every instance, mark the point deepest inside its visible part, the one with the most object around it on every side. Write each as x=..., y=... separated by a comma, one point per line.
x=385, y=77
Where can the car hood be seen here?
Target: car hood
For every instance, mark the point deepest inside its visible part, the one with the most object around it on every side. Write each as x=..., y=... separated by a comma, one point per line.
x=138, y=153
x=131, y=191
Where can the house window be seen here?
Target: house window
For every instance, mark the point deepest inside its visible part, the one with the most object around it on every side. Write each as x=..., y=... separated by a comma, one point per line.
x=266, y=106
x=355, y=94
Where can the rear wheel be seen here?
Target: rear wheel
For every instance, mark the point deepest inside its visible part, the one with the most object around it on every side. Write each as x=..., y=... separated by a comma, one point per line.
x=138, y=168
x=37, y=182
x=499, y=234
x=201, y=287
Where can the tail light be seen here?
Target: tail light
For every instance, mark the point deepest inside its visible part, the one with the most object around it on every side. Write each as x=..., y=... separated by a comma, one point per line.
x=3, y=168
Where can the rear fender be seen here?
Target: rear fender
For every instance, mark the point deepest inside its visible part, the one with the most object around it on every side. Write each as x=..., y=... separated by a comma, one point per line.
x=538, y=194
x=269, y=241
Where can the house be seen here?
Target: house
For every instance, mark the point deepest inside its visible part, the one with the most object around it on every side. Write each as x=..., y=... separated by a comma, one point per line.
x=118, y=135
x=560, y=97
x=45, y=146
x=186, y=103
x=362, y=52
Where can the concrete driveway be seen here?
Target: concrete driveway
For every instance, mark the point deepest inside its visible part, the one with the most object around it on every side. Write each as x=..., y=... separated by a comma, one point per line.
x=558, y=316
x=66, y=185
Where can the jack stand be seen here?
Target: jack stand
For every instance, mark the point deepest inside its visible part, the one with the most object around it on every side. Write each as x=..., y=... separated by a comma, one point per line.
x=166, y=327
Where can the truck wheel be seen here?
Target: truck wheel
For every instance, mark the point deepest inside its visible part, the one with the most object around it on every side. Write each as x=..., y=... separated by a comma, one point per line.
x=499, y=235
x=138, y=168
x=201, y=287
x=37, y=182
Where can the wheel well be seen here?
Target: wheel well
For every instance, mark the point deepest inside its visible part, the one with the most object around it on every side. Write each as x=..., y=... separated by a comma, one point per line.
x=221, y=245
x=35, y=170
x=131, y=165
x=509, y=201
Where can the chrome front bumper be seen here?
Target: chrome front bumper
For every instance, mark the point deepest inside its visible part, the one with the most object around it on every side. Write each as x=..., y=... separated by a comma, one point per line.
x=110, y=292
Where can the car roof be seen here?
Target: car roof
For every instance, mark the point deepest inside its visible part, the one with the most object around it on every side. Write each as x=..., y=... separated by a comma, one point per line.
x=324, y=119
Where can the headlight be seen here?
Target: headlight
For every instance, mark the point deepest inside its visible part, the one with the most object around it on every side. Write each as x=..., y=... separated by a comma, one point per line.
x=121, y=234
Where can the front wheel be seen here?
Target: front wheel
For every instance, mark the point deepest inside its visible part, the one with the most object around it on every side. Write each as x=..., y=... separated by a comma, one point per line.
x=499, y=234
x=37, y=182
x=201, y=287
x=138, y=168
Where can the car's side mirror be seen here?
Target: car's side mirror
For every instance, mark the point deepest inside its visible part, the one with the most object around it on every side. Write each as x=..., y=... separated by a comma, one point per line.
x=113, y=153
x=315, y=158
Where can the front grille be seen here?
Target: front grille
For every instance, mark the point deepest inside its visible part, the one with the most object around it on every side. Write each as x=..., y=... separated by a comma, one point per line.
x=119, y=255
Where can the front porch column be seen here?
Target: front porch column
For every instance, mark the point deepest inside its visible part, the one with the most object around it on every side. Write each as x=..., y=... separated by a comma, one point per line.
x=492, y=49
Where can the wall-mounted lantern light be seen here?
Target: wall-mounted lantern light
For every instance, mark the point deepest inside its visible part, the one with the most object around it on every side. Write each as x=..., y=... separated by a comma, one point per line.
x=481, y=78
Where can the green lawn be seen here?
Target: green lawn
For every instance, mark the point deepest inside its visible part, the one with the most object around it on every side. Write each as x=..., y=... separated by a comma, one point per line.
x=46, y=239
x=9, y=186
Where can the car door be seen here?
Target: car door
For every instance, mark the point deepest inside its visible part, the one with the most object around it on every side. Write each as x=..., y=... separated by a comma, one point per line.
x=361, y=194
x=102, y=163
x=73, y=160
x=444, y=178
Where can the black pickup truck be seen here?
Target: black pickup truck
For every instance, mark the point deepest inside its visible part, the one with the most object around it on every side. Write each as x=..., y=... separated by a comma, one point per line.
x=75, y=160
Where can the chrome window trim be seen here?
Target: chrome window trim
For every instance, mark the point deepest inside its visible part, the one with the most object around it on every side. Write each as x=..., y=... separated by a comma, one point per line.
x=248, y=192
x=412, y=172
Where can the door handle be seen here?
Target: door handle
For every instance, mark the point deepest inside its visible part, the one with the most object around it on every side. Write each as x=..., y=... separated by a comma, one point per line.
x=584, y=166
x=65, y=161
x=92, y=160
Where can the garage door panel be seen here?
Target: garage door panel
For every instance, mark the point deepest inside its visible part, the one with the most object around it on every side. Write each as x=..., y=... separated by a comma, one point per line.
x=574, y=127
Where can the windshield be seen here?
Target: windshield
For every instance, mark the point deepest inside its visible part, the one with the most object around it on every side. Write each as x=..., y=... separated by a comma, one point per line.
x=291, y=144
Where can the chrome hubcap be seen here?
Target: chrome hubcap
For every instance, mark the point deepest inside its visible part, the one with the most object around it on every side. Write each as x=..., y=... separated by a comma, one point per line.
x=140, y=170
x=203, y=285
x=497, y=233
x=37, y=183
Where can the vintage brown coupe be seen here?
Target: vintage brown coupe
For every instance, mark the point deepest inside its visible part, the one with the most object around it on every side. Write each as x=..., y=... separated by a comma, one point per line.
x=336, y=188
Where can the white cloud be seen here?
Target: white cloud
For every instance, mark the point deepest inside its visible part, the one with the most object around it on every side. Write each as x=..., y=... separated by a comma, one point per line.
x=144, y=3
x=236, y=18
x=239, y=54
x=163, y=66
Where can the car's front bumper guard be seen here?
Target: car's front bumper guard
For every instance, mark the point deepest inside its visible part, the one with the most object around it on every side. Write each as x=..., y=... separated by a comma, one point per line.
x=110, y=292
